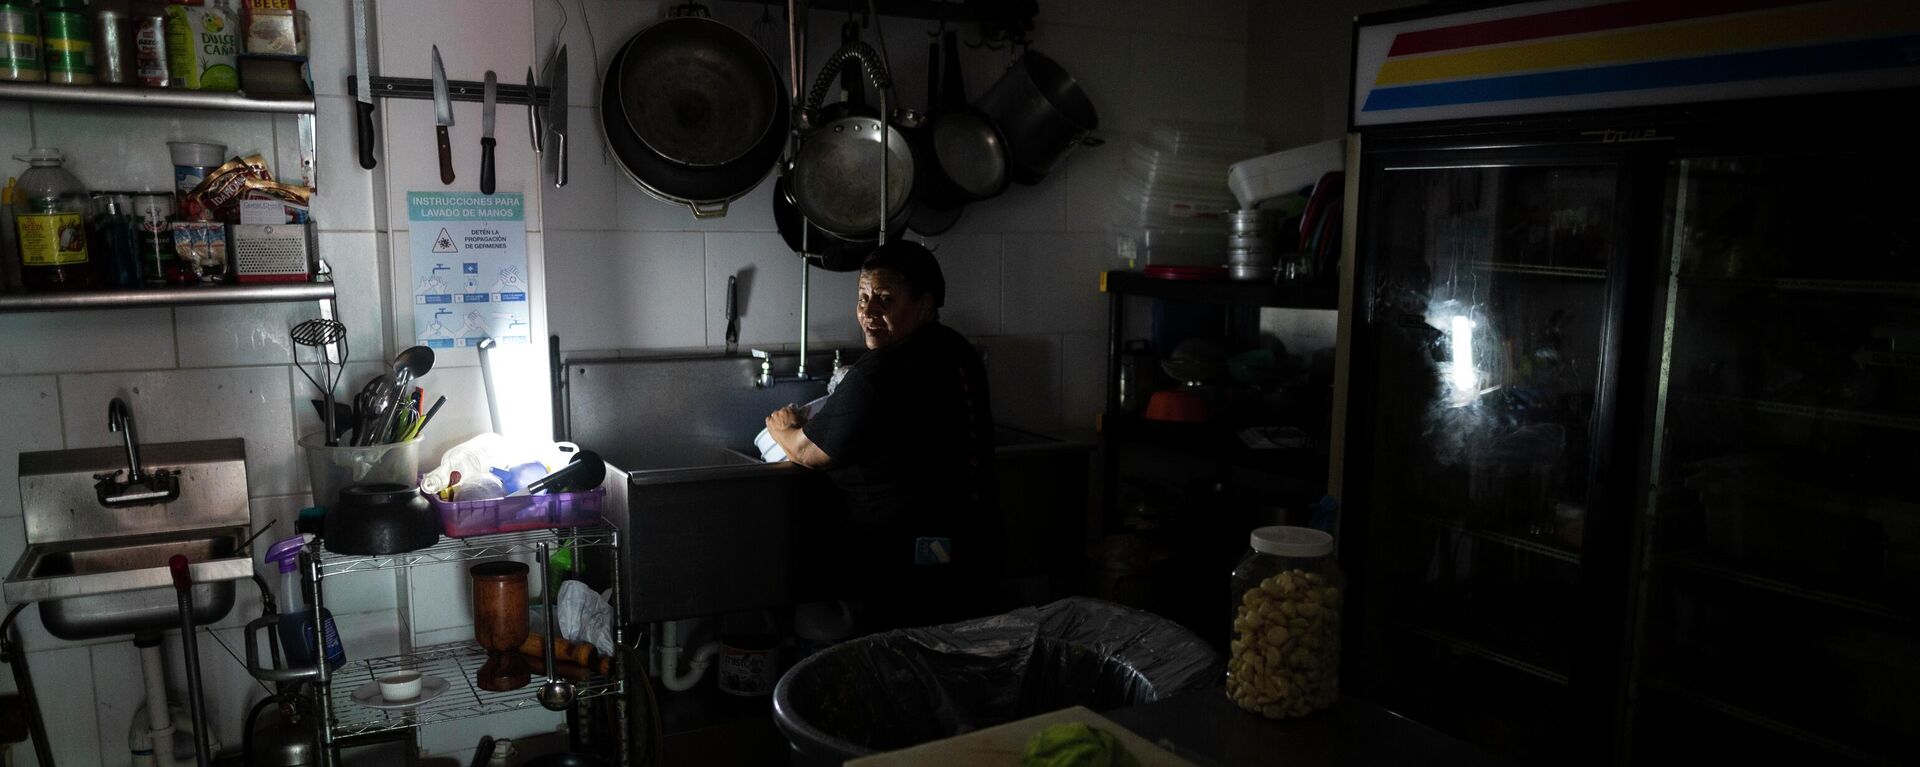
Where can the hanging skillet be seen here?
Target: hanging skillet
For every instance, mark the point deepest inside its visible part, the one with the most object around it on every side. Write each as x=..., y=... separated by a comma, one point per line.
x=967, y=145
x=927, y=219
x=821, y=249
x=835, y=178
x=707, y=190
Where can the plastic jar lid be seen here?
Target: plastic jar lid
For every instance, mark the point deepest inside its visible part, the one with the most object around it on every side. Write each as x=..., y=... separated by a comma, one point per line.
x=1284, y=541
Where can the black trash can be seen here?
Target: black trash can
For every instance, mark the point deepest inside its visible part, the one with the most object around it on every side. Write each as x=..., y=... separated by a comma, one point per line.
x=903, y=688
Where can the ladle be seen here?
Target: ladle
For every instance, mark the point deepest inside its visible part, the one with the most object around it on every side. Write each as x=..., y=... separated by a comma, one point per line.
x=557, y=693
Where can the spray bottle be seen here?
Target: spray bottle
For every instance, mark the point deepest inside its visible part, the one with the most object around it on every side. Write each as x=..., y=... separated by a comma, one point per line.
x=296, y=620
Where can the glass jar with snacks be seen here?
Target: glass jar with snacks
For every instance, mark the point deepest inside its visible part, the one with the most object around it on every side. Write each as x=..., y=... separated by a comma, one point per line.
x=1284, y=660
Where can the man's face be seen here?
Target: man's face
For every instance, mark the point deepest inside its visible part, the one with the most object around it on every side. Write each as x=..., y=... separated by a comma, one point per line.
x=887, y=309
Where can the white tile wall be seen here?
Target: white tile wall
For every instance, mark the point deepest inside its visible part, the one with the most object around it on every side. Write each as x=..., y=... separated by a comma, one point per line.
x=176, y=405
x=30, y=408
x=62, y=342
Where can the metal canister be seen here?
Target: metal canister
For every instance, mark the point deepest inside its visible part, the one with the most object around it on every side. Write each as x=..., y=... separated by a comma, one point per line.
x=69, y=42
x=20, y=42
x=150, y=52
x=112, y=48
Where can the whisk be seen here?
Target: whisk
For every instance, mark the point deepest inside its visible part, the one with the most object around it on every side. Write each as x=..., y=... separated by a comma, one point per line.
x=318, y=335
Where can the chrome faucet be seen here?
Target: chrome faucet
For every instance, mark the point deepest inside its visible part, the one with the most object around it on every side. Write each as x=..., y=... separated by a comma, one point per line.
x=120, y=419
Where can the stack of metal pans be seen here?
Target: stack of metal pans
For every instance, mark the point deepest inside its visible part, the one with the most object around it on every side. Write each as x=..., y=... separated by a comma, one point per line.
x=1253, y=244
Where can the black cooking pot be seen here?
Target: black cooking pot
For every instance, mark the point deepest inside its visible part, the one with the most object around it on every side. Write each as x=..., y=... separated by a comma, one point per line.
x=1042, y=113
x=706, y=190
x=381, y=518
x=698, y=93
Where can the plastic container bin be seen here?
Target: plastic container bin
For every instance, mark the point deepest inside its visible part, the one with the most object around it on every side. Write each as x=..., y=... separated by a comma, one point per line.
x=1285, y=172
x=1284, y=660
x=465, y=519
x=331, y=468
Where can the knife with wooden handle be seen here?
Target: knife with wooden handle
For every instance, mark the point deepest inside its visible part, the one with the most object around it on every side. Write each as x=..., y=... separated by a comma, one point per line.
x=442, y=117
x=487, y=94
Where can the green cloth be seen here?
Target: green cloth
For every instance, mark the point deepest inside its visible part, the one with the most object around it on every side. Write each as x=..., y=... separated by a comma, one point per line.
x=1076, y=745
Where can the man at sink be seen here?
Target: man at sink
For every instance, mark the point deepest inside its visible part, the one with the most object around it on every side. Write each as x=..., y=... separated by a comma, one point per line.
x=908, y=434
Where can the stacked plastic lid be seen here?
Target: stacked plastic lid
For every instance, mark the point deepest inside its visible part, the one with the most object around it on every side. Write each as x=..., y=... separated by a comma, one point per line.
x=1171, y=202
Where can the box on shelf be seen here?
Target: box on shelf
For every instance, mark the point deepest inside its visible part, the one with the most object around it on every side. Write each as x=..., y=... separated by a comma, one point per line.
x=273, y=252
x=1284, y=172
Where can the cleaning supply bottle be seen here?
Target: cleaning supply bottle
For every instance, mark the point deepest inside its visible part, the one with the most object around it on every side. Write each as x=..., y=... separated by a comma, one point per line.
x=51, y=217
x=296, y=620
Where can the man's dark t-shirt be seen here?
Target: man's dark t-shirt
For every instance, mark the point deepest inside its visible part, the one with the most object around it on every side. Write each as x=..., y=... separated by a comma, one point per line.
x=910, y=432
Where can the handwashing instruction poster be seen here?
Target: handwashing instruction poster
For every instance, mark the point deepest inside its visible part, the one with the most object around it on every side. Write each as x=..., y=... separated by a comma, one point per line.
x=469, y=268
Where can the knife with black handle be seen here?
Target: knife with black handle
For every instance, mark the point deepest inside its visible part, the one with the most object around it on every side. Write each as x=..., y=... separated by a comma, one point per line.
x=363, y=86
x=486, y=134
x=442, y=117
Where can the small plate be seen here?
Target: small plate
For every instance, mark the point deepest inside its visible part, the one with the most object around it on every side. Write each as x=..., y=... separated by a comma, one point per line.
x=369, y=694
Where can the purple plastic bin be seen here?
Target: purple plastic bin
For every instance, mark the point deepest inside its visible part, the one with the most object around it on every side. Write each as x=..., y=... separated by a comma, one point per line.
x=465, y=519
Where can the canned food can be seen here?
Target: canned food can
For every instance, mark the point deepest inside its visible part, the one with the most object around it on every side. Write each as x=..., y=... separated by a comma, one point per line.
x=111, y=49
x=150, y=52
x=69, y=47
x=20, y=43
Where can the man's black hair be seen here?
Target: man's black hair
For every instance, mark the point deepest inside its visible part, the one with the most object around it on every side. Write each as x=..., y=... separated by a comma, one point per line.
x=914, y=263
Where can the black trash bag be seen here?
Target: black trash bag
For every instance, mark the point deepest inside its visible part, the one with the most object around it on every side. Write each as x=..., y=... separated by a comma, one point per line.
x=903, y=688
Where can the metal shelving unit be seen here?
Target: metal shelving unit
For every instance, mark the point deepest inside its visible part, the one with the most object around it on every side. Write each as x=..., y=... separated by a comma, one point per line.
x=1547, y=550
x=338, y=716
x=1540, y=270
x=1708, y=566
x=143, y=298
x=455, y=662
x=1472, y=647
x=1836, y=415
x=159, y=98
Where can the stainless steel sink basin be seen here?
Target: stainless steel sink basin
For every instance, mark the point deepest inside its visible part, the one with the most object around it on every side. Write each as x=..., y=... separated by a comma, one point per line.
x=98, y=570
x=116, y=586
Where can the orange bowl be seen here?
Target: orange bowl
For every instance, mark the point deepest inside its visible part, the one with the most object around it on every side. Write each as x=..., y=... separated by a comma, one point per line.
x=1177, y=405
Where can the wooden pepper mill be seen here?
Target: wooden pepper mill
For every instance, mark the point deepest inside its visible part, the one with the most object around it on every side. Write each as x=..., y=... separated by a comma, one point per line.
x=500, y=624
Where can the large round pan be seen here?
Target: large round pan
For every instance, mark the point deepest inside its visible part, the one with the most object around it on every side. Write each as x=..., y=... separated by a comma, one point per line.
x=699, y=93
x=836, y=176
x=706, y=191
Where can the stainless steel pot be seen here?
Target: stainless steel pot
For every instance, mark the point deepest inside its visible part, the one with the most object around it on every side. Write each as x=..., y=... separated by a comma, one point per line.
x=1042, y=113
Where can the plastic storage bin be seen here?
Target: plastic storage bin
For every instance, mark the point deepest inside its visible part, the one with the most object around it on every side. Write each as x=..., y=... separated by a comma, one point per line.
x=330, y=469
x=1284, y=660
x=466, y=519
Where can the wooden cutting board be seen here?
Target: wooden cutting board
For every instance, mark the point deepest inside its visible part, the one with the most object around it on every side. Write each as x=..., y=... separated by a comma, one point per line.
x=1004, y=744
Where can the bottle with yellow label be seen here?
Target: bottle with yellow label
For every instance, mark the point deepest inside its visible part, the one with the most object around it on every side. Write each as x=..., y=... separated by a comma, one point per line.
x=52, y=225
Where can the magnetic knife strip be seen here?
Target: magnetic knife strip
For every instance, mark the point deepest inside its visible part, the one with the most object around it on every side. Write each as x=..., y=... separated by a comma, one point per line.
x=457, y=90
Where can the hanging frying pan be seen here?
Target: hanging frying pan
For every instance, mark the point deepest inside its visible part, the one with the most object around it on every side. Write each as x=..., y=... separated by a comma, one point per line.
x=698, y=93
x=928, y=218
x=823, y=250
x=707, y=191
x=970, y=153
x=835, y=178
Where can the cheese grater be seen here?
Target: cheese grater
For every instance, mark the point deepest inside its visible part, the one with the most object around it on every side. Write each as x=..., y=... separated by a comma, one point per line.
x=272, y=252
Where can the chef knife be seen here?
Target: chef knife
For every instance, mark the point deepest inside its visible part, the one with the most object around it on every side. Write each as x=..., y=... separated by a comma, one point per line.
x=487, y=93
x=363, y=85
x=533, y=113
x=442, y=117
x=557, y=117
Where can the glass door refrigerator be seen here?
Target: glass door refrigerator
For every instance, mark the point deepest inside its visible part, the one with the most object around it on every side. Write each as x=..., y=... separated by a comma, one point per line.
x=1630, y=460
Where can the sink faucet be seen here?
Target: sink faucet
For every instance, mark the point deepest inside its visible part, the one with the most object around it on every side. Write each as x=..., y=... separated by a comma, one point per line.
x=120, y=419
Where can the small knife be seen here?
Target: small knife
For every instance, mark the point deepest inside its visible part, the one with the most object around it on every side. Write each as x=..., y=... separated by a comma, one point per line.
x=442, y=117
x=557, y=117
x=487, y=93
x=533, y=113
x=363, y=85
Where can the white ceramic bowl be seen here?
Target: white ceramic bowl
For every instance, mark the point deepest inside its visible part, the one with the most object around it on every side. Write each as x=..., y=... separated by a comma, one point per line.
x=404, y=685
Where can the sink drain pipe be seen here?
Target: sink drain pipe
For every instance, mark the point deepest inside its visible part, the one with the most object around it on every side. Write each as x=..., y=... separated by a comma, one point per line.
x=153, y=668
x=12, y=655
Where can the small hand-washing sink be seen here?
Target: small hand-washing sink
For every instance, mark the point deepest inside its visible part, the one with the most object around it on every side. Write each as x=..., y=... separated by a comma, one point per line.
x=96, y=556
x=116, y=586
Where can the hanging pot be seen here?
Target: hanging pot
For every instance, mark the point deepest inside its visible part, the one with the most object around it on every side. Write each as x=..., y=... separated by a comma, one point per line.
x=698, y=93
x=1042, y=113
x=705, y=190
x=821, y=249
x=835, y=177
